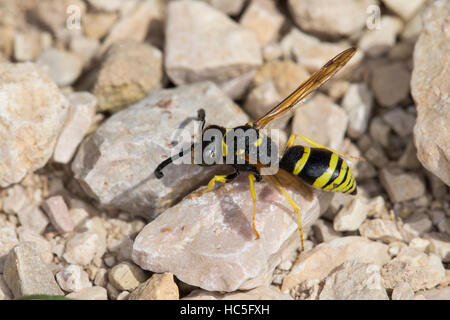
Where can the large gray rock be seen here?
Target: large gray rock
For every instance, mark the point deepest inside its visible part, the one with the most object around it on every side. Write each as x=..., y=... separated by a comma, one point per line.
x=430, y=87
x=32, y=114
x=208, y=241
x=115, y=164
x=26, y=273
x=202, y=43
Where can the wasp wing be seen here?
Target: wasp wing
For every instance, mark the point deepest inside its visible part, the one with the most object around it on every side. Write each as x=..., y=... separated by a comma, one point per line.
x=314, y=82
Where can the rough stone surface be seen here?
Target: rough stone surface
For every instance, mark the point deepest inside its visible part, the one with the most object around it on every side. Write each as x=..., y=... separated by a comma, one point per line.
x=141, y=137
x=231, y=7
x=97, y=24
x=354, y=280
x=215, y=247
x=400, y=121
x=390, y=83
x=28, y=45
x=31, y=217
x=73, y=278
x=317, y=113
x=79, y=120
x=263, y=18
x=322, y=259
x=406, y=9
x=58, y=213
x=402, y=291
x=401, y=186
x=261, y=99
x=430, y=86
x=62, y=66
x=26, y=273
x=129, y=71
x=81, y=248
x=259, y=293
x=92, y=293
x=419, y=270
x=8, y=239
x=377, y=42
x=313, y=53
x=5, y=293
x=350, y=217
x=126, y=276
x=158, y=287
x=436, y=294
x=324, y=232
x=32, y=115
x=204, y=44
x=439, y=245
x=41, y=243
x=379, y=229
x=358, y=102
x=332, y=17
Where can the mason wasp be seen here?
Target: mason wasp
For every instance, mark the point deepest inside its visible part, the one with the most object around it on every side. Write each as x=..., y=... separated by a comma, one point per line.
x=317, y=166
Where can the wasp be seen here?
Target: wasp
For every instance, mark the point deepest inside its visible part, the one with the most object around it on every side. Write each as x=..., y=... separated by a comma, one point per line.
x=317, y=166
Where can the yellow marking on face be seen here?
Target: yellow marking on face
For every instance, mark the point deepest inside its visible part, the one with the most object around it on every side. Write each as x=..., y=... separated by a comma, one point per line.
x=337, y=182
x=326, y=176
x=301, y=163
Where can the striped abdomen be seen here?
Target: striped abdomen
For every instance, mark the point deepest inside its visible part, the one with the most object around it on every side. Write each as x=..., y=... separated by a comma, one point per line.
x=319, y=168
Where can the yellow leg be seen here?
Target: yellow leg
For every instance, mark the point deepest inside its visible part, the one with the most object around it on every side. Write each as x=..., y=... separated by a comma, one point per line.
x=294, y=136
x=211, y=185
x=294, y=205
x=252, y=178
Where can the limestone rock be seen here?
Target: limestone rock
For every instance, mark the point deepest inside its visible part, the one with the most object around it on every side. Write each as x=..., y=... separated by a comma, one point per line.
x=28, y=45
x=263, y=18
x=79, y=120
x=354, y=280
x=31, y=217
x=378, y=41
x=261, y=99
x=43, y=246
x=358, y=102
x=108, y=5
x=81, y=248
x=129, y=71
x=390, y=83
x=92, y=293
x=313, y=53
x=97, y=24
x=419, y=270
x=430, y=85
x=122, y=137
x=439, y=245
x=5, y=293
x=58, y=213
x=33, y=114
x=317, y=113
x=417, y=223
x=208, y=241
x=73, y=278
x=322, y=259
x=204, y=44
x=63, y=67
x=402, y=291
x=436, y=294
x=334, y=18
x=158, y=287
x=324, y=232
x=8, y=239
x=231, y=7
x=259, y=293
x=406, y=9
x=350, y=217
x=401, y=186
x=379, y=229
x=126, y=276
x=400, y=121
x=26, y=274
x=86, y=48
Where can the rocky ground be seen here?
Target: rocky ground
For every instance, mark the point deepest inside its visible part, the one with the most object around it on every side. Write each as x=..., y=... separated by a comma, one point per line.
x=89, y=108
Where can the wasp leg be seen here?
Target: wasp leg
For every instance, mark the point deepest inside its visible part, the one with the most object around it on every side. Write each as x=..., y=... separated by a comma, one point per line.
x=212, y=182
x=252, y=178
x=294, y=136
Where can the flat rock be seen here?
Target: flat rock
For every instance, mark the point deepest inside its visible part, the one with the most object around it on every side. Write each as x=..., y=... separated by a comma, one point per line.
x=32, y=217
x=417, y=224
x=402, y=291
x=430, y=85
x=158, y=287
x=81, y=248
x=106, y=5
x=322, y=259
x=73, y=278
x=214, y=247
x=92, y=293
x=313, y=53
x=436, y=294
x=26, y=273
x=334, y=18
x=380, y=40
x=419, y=270
x=126, y=276
x=62, y=66
x=230, y=7
x=406, y=9
x=41, y=243
x=58, y=213
x=316, y=114
x=8, y=239
x=390, y=83
x=439, y=245
x=400, y=121
x=358, y=102
x=379, y=229
x=263, y=18
x=97, y=24
x=28, y=45
x=129, y=71
x=350, y=217
x=354, y=280
x=141, y=136
x=259, y=293
x=324, y=232
x=401, y=186
x=33, y=115
x=79, y=120
x=202, y=43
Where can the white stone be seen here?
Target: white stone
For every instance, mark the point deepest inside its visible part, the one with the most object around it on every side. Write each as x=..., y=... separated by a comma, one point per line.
x=106, y=5
x=33, y=113
x=378, y=41
x=92, y=293
x=231, y=7
x=158, y=287
x=358, y=102
x=5, y=293
x=126, y=276
x=390, y=83
x=62, y=66
x=81, y=248
x=379, y=229
x=41, y=243
x=259, y=293
x=401, y=186
x=406, y=9
x=33, y=218
x=58, y=213
x=73, y=278
x=402, y=291
x=400, y=121
x=8, y=239
x=324, y=232
x=350, y=217
x=439, y=245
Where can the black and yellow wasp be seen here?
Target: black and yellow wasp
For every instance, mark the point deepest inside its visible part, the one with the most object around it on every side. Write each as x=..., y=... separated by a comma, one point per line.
x=317, y=166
